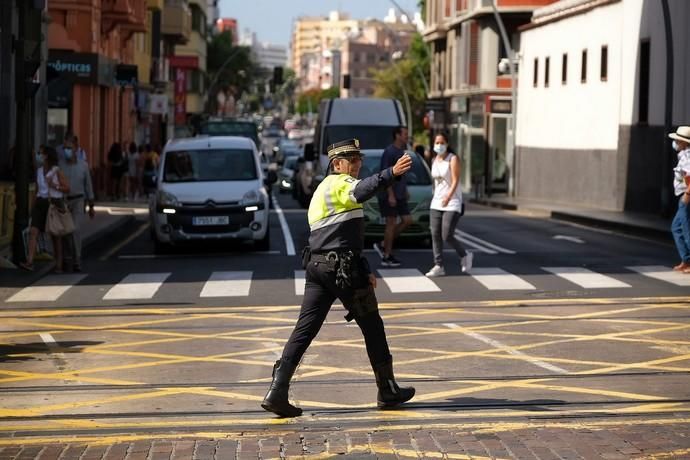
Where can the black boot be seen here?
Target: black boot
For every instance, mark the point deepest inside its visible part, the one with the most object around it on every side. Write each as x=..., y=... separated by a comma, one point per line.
x=390, y=394
x=276, y=399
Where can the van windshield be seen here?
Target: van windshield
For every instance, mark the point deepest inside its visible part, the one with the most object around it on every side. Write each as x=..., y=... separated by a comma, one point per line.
x=370, y=137
x=230, y=128
x=209, y=165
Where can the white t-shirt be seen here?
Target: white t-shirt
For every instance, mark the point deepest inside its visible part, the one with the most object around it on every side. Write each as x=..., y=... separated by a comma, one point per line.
x=44, y=180
x=680, y=171
x=443, y=179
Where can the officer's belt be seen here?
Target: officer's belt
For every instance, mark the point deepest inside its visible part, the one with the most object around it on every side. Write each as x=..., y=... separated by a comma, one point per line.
x=331, y=256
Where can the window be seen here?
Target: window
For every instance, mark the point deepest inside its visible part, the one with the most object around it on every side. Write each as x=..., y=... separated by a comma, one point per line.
x=583, y=70
x=546, y=72
x=564, y=69
x=535, y=80
x=604, y=62
x=643, y=86
x=209, y=165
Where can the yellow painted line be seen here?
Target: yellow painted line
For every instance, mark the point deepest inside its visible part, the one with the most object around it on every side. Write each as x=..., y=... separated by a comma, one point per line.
x=672, y=454
x=124, y=242
x=23, y=376
x=471, y=427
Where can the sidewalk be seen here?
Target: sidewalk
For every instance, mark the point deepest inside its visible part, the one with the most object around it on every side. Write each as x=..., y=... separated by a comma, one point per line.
x=109, y=220
x=639, y=224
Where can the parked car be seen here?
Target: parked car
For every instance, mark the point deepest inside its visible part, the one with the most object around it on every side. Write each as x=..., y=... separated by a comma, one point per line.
x=419, y=186
x=209, y=189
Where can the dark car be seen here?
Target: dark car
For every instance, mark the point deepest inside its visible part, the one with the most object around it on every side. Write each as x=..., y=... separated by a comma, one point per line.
x=228, y=127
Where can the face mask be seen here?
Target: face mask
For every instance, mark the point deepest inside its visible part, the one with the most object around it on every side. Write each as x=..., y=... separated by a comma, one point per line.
x=39, y=159
x=440, y=148
x=68, y=154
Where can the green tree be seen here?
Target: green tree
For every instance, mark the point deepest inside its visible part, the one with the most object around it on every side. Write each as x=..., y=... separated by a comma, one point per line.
x=229, y=66
x=310, y=99
x=409, y=73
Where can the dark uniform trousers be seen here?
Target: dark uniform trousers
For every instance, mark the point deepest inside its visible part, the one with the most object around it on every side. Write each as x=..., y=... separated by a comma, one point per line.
x=319, y=294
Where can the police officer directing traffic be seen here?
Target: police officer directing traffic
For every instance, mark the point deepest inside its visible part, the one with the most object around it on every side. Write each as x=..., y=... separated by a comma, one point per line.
x=335, y=268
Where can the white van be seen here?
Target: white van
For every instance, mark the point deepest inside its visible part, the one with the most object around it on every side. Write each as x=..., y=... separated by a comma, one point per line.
x=210, y=188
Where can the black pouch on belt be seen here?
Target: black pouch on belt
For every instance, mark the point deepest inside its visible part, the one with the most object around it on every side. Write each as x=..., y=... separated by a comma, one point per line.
x=306, y=255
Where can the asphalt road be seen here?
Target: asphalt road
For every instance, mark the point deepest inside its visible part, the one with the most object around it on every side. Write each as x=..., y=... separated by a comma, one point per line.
x=556, y=322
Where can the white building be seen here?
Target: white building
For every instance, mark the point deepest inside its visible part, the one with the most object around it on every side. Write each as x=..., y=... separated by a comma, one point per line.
x=591, y=103
x=269, y=56
x=213, y=13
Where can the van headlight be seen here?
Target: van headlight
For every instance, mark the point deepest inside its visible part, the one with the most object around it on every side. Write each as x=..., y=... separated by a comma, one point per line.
x=167, y=199
x=250, y=198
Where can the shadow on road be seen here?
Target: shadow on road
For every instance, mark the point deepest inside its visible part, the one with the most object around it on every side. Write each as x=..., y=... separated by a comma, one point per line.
x=27, y=351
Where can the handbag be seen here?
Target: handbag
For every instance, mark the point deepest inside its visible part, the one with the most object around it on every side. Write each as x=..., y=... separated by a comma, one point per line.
x=59, y=221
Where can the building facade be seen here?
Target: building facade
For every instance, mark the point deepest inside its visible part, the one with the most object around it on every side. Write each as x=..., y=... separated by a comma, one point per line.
x=468, y=97
x=91, y=55
x=595, y=103
x=190, y=62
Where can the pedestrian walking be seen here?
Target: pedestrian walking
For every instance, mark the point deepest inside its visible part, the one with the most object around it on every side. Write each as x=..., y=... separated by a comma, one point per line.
x=149, y=170
x=51, y=186
x=116, y=161
x=393, y=201
x=446, y=207
x=680, y=227
x=132, y=175
x=335, y=268
x=78, y=177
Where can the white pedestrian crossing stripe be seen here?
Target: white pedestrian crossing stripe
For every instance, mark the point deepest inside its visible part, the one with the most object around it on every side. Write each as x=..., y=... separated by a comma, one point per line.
x=662, y=273
x=586, y=278
x=407, y=280
x=48, y=289
x=495, y=279
x=299, y=282
x=227, y=284
x=137, y=286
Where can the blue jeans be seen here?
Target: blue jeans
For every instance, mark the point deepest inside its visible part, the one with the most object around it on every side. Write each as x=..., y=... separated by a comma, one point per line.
x=680, y=228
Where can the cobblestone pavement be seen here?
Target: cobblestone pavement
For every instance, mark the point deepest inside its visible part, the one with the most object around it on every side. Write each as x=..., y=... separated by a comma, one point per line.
x=610, y=439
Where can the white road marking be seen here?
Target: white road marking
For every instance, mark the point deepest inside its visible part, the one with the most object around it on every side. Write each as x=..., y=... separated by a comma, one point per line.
x=407, y=280
x=586, y=278
x=508, y=349
x=482, y=242
x=496, y=279
x=472, y=244
x=299, y=282
x=48, y=289
x=137, y=286
x=227, y=284
x=572, y=239
x=289, y=245
x=48, y=339
x=662, y=273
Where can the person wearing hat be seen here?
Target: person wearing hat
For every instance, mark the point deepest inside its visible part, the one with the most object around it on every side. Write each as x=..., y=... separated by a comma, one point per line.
x=335, y=269
x=680, y=227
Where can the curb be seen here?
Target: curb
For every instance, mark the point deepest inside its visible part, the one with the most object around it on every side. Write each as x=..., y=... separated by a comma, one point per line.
x=630, y=229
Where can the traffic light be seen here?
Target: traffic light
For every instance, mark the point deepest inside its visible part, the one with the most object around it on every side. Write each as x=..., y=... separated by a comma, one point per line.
x=346, y=81
x=278, y=75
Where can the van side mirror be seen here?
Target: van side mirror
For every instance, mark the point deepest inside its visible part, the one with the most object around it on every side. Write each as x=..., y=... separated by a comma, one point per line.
x=309, y=151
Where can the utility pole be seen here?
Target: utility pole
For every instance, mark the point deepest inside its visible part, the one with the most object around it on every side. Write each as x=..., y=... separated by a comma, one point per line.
x=21, y=185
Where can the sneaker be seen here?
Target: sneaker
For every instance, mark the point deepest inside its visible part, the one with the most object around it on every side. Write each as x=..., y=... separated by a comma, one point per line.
x=390, y=261
x=466, y=262
x=435, y=271
x=378, y=247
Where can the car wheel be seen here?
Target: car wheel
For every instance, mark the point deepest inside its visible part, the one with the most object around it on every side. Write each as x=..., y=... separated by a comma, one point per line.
x=264, y=244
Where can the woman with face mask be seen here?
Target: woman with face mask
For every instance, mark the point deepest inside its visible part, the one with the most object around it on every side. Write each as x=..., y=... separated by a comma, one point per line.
x=446, y=207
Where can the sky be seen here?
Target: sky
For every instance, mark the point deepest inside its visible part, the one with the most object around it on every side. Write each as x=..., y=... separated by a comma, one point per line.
x=272, y=20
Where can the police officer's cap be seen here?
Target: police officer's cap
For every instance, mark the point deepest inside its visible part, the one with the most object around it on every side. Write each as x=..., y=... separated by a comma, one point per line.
x=344, y=149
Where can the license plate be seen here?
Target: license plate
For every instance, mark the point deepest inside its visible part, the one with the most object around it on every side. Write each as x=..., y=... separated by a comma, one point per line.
x=211, y=220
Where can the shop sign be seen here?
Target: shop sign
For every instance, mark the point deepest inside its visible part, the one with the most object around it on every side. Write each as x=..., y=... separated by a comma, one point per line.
x=180, y=97
x=158, y=104
x=126, y=75
x=437, y=105
x=501, y=106
x=85, y=68
x=458, y=104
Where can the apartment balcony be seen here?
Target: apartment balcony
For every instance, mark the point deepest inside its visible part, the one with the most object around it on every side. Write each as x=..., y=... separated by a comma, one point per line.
x=129, y=15
x=155, y=4
x=177, y=21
